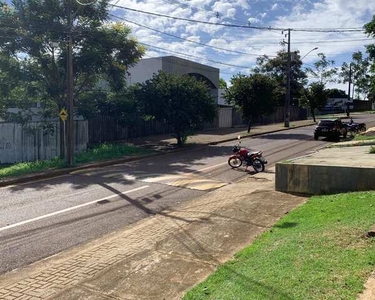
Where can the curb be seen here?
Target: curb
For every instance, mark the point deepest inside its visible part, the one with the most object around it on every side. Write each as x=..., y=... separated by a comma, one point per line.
x=60, y=172
x=354, y=144
x=258, y=134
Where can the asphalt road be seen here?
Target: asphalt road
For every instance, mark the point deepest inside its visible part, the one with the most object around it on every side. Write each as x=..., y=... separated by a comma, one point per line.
x=43, y=218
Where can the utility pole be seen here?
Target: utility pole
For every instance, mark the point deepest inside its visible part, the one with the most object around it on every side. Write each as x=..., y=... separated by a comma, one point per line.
x=350, y=83
x=70, y=87
x=287, y=95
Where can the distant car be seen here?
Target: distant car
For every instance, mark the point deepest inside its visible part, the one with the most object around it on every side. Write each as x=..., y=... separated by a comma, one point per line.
x=331, y=128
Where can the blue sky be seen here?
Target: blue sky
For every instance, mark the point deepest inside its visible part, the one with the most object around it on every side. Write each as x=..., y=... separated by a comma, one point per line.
x=303, y=14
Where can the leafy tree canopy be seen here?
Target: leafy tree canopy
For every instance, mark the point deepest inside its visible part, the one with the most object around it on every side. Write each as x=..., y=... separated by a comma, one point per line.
x=336, y=93
x=33, y=38
x=360, y=68
x=315, y=97
x=324, y=70
x=370, y=30
x=181, y=101
x=222, y=83
x=276, y=68
x=254, y=95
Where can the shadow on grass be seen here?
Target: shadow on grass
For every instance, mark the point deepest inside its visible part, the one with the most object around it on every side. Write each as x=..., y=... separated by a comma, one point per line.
x=287, y=225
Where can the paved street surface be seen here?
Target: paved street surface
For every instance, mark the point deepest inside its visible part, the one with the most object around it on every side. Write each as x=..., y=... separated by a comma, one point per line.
x=158, y=257
x=134, y=206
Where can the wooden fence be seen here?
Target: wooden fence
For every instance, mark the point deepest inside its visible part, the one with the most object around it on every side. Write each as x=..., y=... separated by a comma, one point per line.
x=296, y=113
x=108, y=129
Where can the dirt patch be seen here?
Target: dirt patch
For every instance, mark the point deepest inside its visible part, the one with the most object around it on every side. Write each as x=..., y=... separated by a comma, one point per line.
x=370, y=132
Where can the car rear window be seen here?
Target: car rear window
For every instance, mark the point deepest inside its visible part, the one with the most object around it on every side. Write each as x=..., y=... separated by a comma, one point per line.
x=325, y=123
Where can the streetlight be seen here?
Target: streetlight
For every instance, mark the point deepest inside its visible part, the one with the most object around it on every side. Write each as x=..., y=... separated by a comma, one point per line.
x=316, y=48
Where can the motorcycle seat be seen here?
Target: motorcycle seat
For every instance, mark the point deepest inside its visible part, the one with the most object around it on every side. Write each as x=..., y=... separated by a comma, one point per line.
x=254, y=152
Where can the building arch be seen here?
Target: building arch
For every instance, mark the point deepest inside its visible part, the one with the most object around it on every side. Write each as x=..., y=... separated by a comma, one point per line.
x=203, y=78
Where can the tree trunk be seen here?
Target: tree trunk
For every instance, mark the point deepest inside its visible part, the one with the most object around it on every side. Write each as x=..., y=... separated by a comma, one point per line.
x=313, y=113
x=179, y=140
x=249, y=126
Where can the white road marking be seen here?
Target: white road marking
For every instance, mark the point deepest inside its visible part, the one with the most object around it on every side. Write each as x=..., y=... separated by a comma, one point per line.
x=210, y=167
x=70, y=209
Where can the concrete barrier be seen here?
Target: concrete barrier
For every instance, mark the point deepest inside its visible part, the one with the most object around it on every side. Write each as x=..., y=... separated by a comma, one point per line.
x=323, y=179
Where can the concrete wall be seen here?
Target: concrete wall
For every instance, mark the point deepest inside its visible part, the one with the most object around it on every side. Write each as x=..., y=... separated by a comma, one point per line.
x=320, y=179
x=30, y=143
x=144, y=70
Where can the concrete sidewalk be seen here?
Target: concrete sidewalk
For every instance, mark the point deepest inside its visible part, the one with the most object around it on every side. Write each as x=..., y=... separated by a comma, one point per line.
x=160, y=257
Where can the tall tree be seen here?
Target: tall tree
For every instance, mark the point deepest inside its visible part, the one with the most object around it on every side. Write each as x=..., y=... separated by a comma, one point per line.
x=315, y=97
x=182, y=101
x=370, y=30
x=336, y=93
x=254, y=95
x=360, y=68
x=276, y=68
x=34, y=33
x=324, y=70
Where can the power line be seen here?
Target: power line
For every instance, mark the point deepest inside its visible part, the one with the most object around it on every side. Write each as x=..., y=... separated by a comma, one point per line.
x=184, y=39
x=239, y=26
x=195, y=21
x=332, y=41
x=175, y=2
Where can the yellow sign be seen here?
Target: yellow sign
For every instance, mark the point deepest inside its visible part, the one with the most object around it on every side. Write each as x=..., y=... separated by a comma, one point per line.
x=63, y=114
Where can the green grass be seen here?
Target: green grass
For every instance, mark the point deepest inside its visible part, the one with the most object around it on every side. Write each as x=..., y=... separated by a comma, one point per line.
x=359, y=137
x=318, y=251
x=372, y=150
x=102, y=152
x=30, y=167
x=108, y=151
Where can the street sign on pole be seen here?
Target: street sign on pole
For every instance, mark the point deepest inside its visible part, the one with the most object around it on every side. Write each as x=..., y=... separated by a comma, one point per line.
x=63, y=114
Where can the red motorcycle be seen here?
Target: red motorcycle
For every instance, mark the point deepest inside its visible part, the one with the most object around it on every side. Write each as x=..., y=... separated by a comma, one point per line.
x=251, y=158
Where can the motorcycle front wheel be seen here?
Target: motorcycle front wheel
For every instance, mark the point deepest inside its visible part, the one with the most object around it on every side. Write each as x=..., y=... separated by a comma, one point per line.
x=258, y=165
x=235, y=162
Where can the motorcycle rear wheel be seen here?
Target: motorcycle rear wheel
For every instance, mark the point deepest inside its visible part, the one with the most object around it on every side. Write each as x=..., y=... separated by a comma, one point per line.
x=258, y=165
x=235, y=162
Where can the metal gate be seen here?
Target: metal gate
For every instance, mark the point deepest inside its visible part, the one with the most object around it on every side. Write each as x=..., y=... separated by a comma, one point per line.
x=225, y=117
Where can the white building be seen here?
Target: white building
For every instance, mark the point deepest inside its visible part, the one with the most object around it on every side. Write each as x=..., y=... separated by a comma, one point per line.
x=146, y=68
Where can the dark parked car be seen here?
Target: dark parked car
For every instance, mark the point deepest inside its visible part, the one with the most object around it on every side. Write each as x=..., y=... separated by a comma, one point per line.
x=331, y=128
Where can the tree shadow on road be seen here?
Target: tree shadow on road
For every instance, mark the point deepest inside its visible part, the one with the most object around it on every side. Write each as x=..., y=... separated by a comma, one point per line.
x=127, y=173
x=286, y=136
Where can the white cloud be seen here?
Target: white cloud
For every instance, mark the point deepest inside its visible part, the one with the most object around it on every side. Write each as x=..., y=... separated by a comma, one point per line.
x=224, y=8
x=275, y=6
x=263, y=15
x=321, y=13
x=253, y=20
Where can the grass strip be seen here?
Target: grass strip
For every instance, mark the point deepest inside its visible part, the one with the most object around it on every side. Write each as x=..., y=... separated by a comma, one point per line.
x=25, y=168
x=318, y=251
x=359, y=137
x=98, y=153
x=108, y=151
